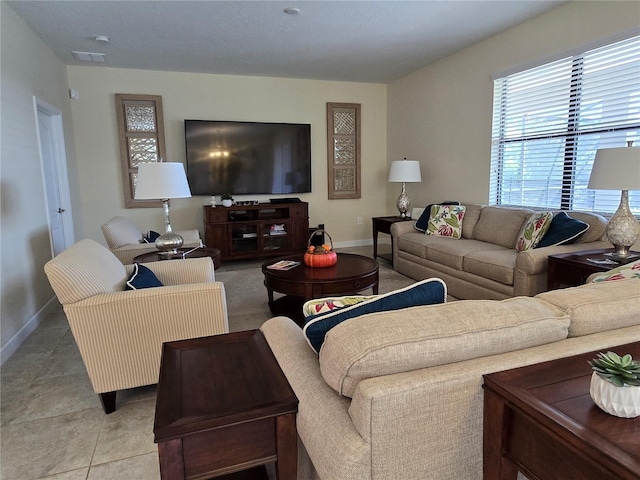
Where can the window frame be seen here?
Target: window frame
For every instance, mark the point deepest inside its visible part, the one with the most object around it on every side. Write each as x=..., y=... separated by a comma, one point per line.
x=570, y=134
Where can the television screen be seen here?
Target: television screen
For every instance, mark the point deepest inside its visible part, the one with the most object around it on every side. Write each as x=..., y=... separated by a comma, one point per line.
x=247, y=158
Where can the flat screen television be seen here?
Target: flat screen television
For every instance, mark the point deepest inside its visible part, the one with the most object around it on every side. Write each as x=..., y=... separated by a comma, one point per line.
x=247, y=158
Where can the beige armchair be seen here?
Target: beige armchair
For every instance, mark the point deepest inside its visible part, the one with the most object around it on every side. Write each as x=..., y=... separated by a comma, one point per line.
x=120, y=332
x=126, y=241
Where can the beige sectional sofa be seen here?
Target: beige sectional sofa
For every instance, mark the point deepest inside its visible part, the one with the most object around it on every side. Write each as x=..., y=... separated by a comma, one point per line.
x=398, y=395
x=484, y=264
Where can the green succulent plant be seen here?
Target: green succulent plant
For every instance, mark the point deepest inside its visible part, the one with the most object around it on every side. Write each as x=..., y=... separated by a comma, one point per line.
x=618, y=370
x=226, y=196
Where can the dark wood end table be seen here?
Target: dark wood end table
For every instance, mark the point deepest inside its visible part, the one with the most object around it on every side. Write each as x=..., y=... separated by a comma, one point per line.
x=572, y=269
x=201, y=252
x=383, y=225
x=223, y=406
x=541, y=420
x=351, y=274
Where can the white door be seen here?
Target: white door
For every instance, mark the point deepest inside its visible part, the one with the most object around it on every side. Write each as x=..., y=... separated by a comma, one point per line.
x=52, y=154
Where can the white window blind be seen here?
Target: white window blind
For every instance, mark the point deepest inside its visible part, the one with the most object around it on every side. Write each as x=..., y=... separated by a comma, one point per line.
x=549, y=121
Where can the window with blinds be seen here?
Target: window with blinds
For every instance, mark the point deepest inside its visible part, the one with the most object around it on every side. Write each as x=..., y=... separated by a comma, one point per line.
x=549, y=121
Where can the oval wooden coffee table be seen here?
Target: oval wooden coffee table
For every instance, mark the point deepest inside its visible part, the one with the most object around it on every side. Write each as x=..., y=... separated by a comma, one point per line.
x=351, y=274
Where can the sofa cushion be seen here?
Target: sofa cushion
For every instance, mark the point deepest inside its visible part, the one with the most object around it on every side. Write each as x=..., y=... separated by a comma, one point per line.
x=496, y=264
x=451, y=252
x=414, y=243
x=423, y=220
x=120, y=231
x=419, y=337
x=500, y=225
x=563, y=229
x=83, y=270
x=426, y=292
x=446, y=221
x=471, y=217
x=597, y=307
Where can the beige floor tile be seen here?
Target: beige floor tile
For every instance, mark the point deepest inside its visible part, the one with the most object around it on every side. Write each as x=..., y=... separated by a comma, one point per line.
x=80, y=474
x=49, y=446
x=126, y=432
x=49, y=397
x=143, y=467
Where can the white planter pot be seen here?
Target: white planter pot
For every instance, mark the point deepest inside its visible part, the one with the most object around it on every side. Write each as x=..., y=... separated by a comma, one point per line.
x=619, y=401
x=227, y=203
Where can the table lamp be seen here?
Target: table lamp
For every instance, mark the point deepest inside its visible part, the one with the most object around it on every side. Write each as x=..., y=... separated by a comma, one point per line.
x=619, y=169
x=404, y=171
x=162, y=181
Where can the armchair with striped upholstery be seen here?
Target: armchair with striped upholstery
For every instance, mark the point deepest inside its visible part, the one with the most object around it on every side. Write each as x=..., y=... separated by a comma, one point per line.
x=120, y=332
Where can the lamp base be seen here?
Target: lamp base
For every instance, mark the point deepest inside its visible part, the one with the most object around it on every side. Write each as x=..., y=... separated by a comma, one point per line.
x=169, y=243
x=623, y=228
x=403, y=202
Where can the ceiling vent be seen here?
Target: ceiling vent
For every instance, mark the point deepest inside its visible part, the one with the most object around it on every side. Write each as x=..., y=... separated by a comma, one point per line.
x=89, y=56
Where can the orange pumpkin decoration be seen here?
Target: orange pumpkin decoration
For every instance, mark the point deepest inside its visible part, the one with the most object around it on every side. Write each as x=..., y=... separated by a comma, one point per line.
x=323, y=256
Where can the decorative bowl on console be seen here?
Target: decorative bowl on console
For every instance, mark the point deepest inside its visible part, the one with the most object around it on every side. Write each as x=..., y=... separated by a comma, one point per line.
x=615, y=384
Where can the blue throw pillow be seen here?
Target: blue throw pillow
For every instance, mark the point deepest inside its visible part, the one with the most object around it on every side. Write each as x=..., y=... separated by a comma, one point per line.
x=423, y=221
x=426, y=292
x=563, y=230
x=142, y=277
x=151, y=236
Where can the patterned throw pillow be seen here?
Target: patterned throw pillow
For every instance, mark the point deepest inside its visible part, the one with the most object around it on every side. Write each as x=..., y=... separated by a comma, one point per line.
x=324, y=305
x=623, y=272
x=533, y=230
x=446, y=220
x=423, y=221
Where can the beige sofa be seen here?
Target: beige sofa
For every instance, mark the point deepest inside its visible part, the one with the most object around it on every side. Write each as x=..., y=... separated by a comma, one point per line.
x=398, y=395
x=484, y=264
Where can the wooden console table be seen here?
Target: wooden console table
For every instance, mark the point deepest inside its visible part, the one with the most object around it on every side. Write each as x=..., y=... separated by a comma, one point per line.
x=541, y=420
x=223, y=406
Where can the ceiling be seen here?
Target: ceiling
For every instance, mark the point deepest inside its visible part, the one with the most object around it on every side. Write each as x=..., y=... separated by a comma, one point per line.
x=360, y=41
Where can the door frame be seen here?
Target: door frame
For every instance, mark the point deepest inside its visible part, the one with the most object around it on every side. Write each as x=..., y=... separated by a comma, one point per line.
x=59, y=164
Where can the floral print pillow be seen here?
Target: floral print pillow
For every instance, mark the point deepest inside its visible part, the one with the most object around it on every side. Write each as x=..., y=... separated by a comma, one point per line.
x=533, y=230
x=324, y=305
x=446, y=220
x=623, y=272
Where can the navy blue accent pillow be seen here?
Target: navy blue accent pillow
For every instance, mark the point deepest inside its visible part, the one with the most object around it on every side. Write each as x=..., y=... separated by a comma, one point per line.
x=151, y=236
x=142, y=277
x=563, y=230
x=423, y=221
x=425, y=292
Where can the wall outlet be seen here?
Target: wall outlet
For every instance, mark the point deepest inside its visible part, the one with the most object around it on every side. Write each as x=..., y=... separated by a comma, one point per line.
x=359, y=220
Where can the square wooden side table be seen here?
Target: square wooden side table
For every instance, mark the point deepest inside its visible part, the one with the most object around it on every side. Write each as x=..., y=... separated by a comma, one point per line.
x=383, y=225
x=572, y=269
x=541, y=420
x=223, y=406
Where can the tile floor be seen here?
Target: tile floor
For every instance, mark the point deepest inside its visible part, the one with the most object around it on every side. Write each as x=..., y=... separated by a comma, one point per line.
x=52, y=423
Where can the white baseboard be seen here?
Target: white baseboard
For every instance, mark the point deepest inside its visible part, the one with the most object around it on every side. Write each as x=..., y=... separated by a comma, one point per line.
x=353, y=243
x=14, y=342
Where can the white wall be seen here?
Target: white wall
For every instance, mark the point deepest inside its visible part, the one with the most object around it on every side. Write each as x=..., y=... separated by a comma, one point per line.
x=441, y=114
x=222, y=97
x=28, y=68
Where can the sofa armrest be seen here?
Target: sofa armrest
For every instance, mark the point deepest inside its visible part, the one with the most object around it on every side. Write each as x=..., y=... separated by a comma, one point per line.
x=120, y=334
x=127, y=253
x=180, y=272
x=400, y=228
x=535, y=261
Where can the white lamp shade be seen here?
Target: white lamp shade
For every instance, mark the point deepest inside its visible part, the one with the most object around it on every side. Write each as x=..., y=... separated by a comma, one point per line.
x=405, y=171
x=616, y=169
x=159, y=181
